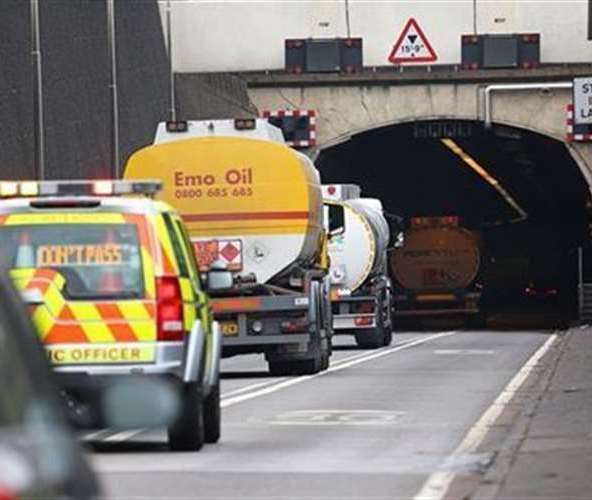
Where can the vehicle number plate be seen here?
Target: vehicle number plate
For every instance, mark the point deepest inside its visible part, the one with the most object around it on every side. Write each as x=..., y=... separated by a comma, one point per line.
x=229, y=328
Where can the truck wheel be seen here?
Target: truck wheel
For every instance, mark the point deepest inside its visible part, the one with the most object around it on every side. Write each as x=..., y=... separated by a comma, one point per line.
x=280, y=368
x=308, y=366
x=212, y=415
x=477, y=321
x=325, y=361
x=369, y=338
x=388, y=336
x=187, y=433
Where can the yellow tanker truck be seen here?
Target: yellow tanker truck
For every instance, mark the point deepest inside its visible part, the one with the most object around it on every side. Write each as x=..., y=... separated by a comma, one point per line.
x=252, y=206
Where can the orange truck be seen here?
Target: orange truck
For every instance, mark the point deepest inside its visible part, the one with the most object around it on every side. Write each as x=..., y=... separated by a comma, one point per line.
x=436, y=270
x=252, y=206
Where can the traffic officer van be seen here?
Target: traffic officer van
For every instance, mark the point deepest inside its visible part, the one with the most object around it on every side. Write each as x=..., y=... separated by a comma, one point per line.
x=113, y=287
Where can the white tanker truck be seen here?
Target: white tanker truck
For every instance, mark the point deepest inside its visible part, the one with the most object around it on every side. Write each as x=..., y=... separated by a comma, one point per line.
x=361, y=292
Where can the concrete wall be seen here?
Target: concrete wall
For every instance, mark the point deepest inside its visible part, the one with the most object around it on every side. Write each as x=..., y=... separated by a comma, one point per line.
x=16, y=90
x=210, y=35
x=212, y=95
x=346, y=110
x=76, y=84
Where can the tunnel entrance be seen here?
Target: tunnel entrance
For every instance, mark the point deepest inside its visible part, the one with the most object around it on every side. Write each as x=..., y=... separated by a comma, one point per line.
x=521, y=191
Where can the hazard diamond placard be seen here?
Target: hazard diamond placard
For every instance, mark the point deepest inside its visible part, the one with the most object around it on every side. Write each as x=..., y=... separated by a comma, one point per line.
x=412, y=46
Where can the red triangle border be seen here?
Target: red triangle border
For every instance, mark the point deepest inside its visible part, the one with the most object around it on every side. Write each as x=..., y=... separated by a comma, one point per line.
x=412, y=22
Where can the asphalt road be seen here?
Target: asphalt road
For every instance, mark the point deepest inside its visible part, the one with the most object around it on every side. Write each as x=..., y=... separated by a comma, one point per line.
x=377, y=425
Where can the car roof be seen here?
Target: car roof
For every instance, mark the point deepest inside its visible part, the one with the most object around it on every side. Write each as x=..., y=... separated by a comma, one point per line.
x=121, y=204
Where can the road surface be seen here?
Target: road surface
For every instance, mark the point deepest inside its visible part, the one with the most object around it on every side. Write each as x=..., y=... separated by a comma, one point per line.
x=378, y=425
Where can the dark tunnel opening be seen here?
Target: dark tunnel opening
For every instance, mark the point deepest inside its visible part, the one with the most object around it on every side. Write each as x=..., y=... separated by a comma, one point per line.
x=520, y=190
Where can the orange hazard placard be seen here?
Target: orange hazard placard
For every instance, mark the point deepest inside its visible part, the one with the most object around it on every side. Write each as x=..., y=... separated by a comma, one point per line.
x=412, y=46
x=206, y=252
x=229, y=252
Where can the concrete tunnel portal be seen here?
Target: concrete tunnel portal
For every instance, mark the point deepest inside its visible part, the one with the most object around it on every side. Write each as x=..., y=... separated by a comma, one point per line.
x=521, y=189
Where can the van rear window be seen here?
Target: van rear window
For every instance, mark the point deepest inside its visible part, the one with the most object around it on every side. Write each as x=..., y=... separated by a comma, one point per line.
x=97, y=260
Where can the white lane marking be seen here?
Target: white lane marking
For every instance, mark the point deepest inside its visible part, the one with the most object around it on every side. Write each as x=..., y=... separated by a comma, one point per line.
x=335, y=417
x=583, y=327
x=436, y=486
x=257, y=385
x=468, y=352
x=123, y=436
x=247, y=388
x=90, y=436
x=283, y=384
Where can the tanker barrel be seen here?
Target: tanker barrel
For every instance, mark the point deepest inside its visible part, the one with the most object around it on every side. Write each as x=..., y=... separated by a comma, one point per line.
x=361, y=253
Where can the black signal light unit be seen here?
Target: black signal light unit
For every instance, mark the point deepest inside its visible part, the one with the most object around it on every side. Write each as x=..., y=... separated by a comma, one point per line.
x=498, y=51
x=323, y=55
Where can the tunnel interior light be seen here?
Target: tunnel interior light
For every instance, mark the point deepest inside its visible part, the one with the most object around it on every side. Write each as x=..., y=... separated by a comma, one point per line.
x=486, y=176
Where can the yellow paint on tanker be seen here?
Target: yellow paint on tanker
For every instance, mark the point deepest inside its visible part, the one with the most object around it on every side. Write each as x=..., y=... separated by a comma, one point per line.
x=438, y=258
x=230, y=185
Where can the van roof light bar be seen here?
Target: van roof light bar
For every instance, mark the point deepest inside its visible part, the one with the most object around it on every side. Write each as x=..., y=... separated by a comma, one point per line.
x=22, y=189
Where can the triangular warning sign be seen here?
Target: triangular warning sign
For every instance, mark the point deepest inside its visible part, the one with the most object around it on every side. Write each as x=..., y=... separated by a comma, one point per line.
x=412, y=46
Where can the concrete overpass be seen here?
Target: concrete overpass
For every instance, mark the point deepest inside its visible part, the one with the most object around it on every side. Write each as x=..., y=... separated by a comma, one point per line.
x=347, y=105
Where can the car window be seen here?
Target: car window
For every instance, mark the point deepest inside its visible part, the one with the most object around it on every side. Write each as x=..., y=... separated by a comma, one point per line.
x=97, y=260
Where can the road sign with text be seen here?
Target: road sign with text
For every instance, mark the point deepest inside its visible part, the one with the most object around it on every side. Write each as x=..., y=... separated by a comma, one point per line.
x=582, y=100
x=412, y=46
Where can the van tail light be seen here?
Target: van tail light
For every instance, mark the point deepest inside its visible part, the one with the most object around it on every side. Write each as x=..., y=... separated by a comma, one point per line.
x=169, y=309
x=6, y=494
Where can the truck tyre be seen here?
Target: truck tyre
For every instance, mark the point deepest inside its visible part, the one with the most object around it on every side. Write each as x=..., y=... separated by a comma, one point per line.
x=373, y=338
x=280, y=368
x=370, y=338
x=308, y=366
x=388, y=336
x=187, y=433
x=212, y=415
x=325, y=361
x=477, y=321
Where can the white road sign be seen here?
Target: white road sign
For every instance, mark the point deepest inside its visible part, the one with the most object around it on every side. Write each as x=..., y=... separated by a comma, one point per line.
x=582, y=99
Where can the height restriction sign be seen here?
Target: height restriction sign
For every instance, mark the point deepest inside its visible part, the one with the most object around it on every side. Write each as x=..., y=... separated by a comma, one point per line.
x=412, y=46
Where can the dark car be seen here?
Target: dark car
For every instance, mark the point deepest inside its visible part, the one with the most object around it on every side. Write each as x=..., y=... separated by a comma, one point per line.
x=39, y=455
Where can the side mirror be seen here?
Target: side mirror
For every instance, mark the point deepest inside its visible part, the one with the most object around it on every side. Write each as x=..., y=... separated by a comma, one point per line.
x=336, y=216
x=219, y=277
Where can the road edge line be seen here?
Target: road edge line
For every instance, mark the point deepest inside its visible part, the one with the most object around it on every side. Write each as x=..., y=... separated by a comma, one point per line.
x=437, y=485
